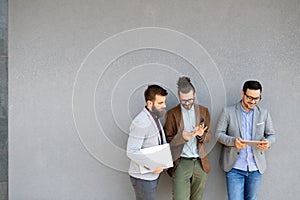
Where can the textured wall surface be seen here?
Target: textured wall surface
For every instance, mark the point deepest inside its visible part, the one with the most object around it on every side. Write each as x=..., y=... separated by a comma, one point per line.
x=3, y=100
x=77, y=71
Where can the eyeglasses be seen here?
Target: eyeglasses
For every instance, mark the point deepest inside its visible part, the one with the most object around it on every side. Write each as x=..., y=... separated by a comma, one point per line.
x=252, y=98
x=185, y=101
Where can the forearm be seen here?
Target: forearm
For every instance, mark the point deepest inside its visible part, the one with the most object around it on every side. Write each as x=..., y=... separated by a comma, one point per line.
x=269, y=130
x=135, y=144
x=221, y=133
x=225, y=139
x=177, y=140
x=173, y=133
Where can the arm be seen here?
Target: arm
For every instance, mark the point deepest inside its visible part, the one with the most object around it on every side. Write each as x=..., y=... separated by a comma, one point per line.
x=204, y=128
x=269, y=130
x=137, y=135
x=173, y=133
x=224, y=136
x=221, y=132
x=269, y=134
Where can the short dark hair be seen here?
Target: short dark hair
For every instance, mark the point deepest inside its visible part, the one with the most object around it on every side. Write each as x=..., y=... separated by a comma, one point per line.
x=252, y=85
x=185, y=85
x=154, y=90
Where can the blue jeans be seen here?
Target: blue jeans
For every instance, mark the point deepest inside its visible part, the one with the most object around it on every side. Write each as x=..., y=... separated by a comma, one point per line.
x=242, y=185
x=144, y=189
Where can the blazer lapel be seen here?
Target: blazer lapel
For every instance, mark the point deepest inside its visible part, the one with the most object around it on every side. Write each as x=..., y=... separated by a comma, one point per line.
x=164, y=140
x=254, y=122
x=239, y=118
x=197, y=114
x=180, y=119
x=155, y=126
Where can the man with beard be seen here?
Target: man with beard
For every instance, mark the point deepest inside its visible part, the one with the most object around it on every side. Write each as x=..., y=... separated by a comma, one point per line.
x=186, y=130
x=242, y=160
x=146, y=131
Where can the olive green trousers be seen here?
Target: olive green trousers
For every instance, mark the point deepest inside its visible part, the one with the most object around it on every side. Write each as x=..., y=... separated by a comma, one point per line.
x=188, y=180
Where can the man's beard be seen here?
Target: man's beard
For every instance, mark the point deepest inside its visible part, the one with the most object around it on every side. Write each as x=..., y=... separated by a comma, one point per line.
x=157, y=112
x=248, y=105
x=188, y=107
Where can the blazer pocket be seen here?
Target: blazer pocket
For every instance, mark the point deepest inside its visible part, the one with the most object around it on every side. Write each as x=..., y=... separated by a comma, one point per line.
x=260, y=123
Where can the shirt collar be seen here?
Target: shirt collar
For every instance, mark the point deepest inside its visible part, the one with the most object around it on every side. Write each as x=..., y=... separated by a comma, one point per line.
x=244, y=111
x=190, y=110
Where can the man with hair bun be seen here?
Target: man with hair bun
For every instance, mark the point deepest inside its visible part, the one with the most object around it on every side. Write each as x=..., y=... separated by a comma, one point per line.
x=187, y=129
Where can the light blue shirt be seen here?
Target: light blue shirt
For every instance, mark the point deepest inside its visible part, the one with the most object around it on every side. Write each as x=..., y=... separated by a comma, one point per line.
x=190, y=149
x=246, y=160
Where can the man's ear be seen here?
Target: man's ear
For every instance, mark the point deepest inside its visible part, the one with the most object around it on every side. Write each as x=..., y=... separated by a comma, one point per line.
x=149, y=104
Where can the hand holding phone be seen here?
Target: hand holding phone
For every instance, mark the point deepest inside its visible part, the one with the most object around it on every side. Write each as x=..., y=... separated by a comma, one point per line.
x=201, y=126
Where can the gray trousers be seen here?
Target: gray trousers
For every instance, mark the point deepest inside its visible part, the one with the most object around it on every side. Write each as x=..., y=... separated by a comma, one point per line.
x=144, y=189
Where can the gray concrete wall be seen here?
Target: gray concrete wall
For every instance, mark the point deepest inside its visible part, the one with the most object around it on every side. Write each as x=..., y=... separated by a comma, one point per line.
x=3, y=100
x=77, y=70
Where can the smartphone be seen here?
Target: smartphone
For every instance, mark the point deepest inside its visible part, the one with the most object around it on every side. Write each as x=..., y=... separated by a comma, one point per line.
x=201, y=122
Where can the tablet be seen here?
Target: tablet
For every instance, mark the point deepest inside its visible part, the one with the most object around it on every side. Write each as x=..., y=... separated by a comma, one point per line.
x=254, y=142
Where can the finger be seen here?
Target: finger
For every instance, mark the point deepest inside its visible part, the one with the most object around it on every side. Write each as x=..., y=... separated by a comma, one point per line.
x=196, y=128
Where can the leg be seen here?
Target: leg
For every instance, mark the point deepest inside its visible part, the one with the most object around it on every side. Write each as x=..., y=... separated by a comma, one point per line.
x=198, y=181
x=181, y=180
x=252, y=185
x=144, y=189
x=235, y=180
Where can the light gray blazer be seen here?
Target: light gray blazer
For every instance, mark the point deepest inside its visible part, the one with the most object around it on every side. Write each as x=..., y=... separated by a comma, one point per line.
x=143, y=133
x=230, y=126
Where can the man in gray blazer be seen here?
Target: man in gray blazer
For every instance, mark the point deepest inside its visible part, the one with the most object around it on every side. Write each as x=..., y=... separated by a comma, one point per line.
x=239, y=129
x=146, y=131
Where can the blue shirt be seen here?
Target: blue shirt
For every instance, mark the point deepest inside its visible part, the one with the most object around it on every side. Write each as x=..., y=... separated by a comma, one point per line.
x=190, y=149
x=246, y=160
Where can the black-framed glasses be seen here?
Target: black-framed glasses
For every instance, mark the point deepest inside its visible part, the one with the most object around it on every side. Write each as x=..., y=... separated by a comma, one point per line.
x=185, y=101
x=252, y=98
